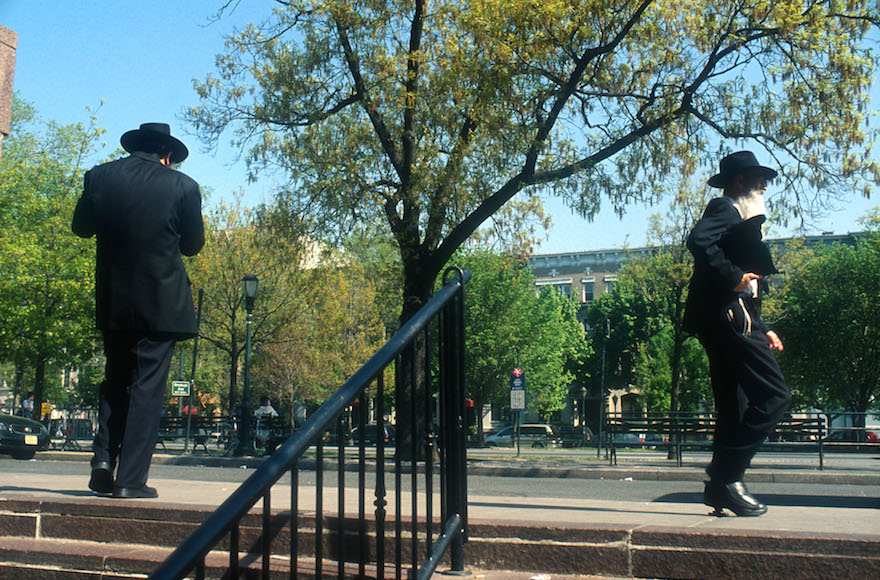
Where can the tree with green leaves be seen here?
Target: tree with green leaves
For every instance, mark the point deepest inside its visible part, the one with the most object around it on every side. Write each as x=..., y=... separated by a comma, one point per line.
x=508, y=322
x=47, y=282
x=830, y=325
x=645, y=309
x=238, y=243
x=430, y=117
x=314, y=354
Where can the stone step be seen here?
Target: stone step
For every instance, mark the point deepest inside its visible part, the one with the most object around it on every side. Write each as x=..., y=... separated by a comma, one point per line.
x=103, y=536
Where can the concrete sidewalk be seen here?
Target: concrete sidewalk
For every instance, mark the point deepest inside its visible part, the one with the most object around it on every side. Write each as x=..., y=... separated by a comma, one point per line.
x=684, y=509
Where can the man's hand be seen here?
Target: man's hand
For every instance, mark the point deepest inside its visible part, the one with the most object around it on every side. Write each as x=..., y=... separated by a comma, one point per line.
x=746, y=280
x=775, y=343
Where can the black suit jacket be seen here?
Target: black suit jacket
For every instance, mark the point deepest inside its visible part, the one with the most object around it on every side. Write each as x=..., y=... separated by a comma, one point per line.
x=145, y=215
x=724, y=247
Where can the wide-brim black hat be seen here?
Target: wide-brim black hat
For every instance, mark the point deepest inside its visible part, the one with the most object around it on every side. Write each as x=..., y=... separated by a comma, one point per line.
x=148, y=135
x=735, y=163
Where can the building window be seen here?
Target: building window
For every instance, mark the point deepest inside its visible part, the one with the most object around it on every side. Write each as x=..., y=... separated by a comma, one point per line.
x=587, y=286
x=609, y=283
x=561, y=286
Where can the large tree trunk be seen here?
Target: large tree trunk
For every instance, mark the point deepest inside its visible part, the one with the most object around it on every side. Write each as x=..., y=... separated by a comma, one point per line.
x=413, y=396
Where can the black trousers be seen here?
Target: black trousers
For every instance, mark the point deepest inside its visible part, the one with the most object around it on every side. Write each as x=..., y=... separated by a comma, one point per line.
x=750, y=391
x=131, y=402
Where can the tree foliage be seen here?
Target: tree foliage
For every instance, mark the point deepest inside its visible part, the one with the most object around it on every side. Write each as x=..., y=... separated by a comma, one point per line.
x=237, y=243
x=507, y=322
x=314, y=354
x=645, y=309
x=430, y=117
x=47, y=281
x=831, y=327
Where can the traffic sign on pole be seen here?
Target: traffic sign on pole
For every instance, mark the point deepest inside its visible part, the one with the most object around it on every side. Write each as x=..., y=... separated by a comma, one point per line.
x=518, y=390
x=180, y=388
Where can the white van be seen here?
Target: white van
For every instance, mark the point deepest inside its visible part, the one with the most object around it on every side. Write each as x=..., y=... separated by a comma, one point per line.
x=530, y=435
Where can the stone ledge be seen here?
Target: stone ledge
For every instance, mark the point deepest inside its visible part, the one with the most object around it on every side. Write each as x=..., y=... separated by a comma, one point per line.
x=87, y=533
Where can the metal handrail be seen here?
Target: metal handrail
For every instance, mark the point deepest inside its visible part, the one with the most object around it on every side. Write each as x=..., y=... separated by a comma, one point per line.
x=190, y=554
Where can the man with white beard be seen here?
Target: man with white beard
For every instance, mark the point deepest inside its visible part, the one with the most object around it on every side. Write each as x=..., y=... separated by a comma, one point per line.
x=723, y=310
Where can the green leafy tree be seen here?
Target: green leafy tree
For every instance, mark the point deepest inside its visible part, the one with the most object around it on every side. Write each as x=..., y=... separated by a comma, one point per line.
x=645, y=308
x=47, y=304
x=237, y=243
x=554, y=349
x=429, y=118
x=507, y=320
x=314, y=354
x=830, y=326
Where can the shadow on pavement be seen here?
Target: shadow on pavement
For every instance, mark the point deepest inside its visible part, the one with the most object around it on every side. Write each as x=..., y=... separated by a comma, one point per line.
x=791, y=500
x=70, y=492
x=567, y=508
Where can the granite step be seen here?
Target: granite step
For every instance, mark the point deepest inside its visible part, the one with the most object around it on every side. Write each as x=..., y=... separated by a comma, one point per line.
x=102, y=538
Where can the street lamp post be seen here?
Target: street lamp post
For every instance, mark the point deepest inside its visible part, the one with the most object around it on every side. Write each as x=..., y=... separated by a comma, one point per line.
x=606, y=334
x=245, y=440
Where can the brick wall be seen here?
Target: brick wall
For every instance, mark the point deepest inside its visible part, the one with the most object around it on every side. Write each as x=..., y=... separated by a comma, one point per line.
x=8, y=43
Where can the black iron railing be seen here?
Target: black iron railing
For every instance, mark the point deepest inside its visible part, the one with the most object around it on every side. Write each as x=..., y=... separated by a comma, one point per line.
x=410, y=539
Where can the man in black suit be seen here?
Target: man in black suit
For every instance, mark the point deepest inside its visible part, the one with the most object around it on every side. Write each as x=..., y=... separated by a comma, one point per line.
x=145, y=215
x=723, y=310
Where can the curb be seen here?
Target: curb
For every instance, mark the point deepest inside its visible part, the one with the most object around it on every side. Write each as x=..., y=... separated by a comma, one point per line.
x=482, y=467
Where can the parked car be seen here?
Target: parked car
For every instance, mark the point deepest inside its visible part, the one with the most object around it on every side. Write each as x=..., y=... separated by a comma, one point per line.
x=530, y=434
x=575, y=436
x=625, y=439
x=370, y=435
x=21, y=437
x=852, y=436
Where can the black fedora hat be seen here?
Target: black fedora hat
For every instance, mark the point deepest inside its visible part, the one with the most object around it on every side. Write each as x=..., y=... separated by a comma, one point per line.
x=739, y=162
x=150, y=134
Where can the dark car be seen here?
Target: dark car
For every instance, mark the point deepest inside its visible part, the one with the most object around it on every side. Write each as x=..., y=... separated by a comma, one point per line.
x=852, y=436
x=21, y=437
x=370, y=434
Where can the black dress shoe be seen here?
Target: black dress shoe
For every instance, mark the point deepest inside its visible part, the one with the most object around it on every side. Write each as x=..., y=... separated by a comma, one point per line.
x=733, y=496
x=144, y=491
x=102, y=478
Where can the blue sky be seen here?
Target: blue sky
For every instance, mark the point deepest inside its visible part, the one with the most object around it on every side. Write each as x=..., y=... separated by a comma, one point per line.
x=141, y=57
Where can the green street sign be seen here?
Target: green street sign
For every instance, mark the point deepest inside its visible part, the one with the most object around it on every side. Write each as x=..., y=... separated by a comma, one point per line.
x=180, y=388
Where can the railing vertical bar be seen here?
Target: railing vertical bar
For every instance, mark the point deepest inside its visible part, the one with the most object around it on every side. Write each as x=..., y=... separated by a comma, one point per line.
x=294, y=520
x=417, y=450
x=319, y=509
x=429, y=444
x=398, y=531
x=443, y=400
x=459, y=501
x=380, y=501
x=267, y=532
x=233, y=550
x=362, y=551
x=340, y=495
x=200, y=569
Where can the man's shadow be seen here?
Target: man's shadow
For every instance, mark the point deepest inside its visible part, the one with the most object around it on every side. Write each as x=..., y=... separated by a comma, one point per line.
x=43, y=491
x=790, y=500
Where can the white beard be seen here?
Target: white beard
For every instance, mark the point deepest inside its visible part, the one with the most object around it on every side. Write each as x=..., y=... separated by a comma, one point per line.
x=750, y=204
